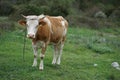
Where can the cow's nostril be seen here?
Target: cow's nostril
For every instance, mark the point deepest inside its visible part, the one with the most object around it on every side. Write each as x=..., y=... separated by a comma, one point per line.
x=30, y=36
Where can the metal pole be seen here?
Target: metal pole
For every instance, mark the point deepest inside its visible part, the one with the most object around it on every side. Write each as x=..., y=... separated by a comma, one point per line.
x=24, y=45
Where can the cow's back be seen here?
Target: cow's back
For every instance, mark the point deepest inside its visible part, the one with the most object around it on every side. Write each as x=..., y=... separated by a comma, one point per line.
x=58, y=27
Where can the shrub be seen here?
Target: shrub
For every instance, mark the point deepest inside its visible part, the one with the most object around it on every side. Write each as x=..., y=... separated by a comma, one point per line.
x=37, y=7
x=6, y=24
x=99, y=45
x=75, y=20
x=28, y=10
x=5, y=8
x=100, y=48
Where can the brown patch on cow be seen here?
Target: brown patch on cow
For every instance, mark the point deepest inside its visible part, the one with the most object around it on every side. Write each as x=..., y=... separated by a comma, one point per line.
x=42, y=22
x=43, y=33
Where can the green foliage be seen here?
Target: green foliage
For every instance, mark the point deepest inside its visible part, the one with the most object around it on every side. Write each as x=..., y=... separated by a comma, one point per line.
x=61, y=7
x=6, y=24
x=5, y=8
x=100, y=48
x=56, y=7
x=26, y=10
x=77, y=12
x=38, y=7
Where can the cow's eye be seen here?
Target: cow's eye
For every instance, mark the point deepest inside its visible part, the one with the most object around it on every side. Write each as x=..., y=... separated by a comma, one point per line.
x=40, y=23
x=33, y=19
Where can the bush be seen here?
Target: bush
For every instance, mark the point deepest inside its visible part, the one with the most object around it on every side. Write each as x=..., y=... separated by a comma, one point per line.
x=99, y=48
x=37, y=7
x=115, y=14
x=99, y=45
x=60, y=7
x=5, y=8
x=28, y=10
x=75, y=20
x=6, y=24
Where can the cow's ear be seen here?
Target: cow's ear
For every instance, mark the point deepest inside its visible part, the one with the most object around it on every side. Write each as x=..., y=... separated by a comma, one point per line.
x=22, y=22
x=42, y=22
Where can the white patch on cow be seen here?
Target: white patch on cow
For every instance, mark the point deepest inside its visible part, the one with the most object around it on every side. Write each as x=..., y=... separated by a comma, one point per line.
x=39, y=44
x=42, y=55
x=32, y=23
x=65, y=30
x=63, y=23
x=54, y=59
x=35, y=46
x=34, y=62
x=41, y=16
x=43, y=44
x=49, y=23
x=55, y=55
x=35, y=50
x=31, y=17
x=41, y=65
x=60, y=54
x=58, y=17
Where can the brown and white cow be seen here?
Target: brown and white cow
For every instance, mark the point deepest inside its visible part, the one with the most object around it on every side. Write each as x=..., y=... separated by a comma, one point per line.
x=43, y=30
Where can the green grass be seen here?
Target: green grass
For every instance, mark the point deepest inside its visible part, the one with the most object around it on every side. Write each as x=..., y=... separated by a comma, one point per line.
x=83, y=48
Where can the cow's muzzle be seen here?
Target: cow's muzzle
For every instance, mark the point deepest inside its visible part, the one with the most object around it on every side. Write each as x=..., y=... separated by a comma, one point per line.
x=31, y=36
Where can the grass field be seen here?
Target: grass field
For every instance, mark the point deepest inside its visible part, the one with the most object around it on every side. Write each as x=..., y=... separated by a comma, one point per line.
x=83, y=48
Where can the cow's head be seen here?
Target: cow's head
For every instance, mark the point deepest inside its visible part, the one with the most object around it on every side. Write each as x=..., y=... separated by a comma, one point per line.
x=32, y=22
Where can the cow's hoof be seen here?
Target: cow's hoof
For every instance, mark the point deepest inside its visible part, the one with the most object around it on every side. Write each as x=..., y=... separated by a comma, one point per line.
x=34, y=65
x=53, y=62
x=41, y=68
x=58, y=63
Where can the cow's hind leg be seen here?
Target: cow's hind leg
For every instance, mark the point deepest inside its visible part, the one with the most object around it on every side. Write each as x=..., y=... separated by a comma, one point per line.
x=60, y=52
x=55, y=55
x=35, y=50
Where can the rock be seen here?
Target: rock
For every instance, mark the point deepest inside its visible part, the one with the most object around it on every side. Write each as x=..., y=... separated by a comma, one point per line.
x=95, y=65
x=115, y=14
x=115, y=64
x=117, y=68
x=100, y=14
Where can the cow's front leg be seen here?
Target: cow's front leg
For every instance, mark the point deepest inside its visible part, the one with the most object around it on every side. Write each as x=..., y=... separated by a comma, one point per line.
x=44, y=46
x=35, y=50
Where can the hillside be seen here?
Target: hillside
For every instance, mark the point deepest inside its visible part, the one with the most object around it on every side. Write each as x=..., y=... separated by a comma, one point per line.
x=83, y=48
x=92, y=45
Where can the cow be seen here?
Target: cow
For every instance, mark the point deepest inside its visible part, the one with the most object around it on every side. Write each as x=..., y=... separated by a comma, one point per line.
x=44, y=30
